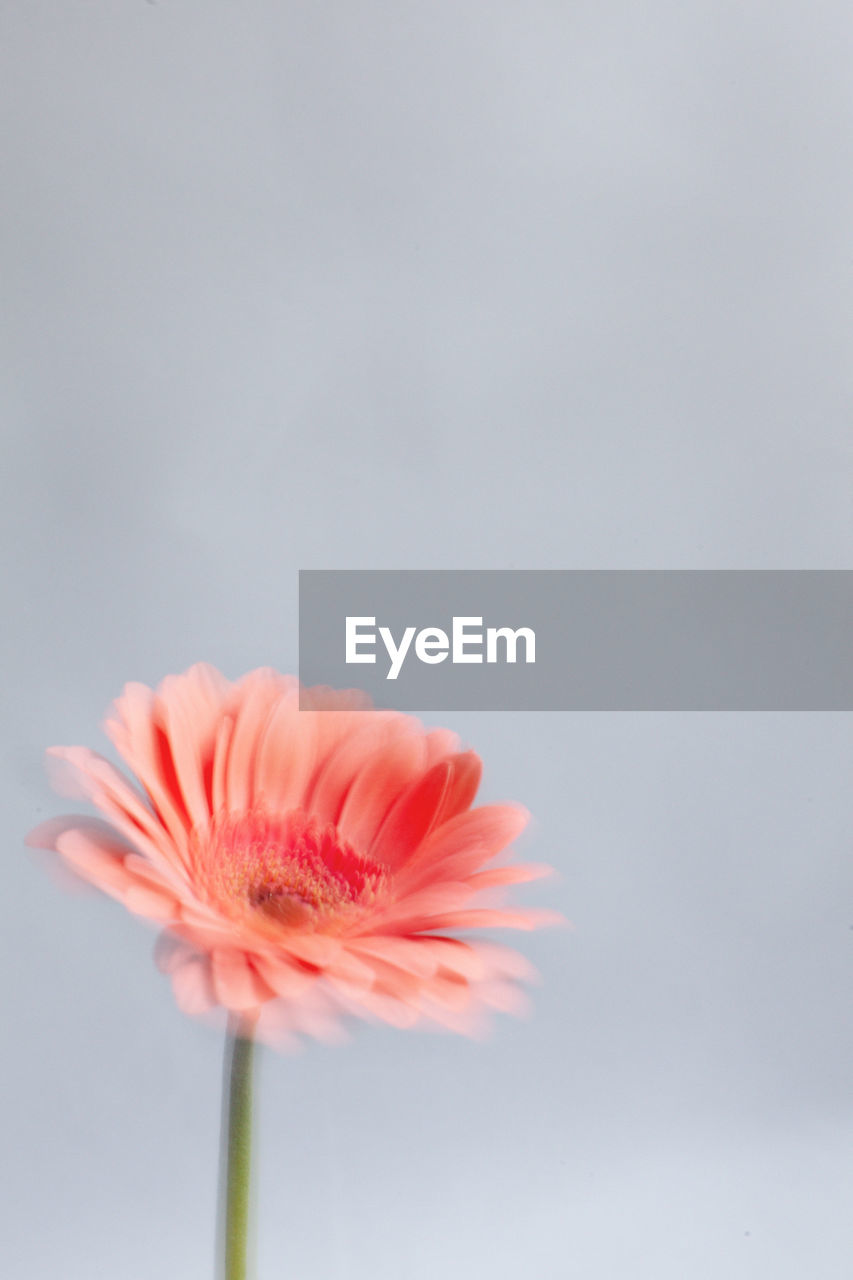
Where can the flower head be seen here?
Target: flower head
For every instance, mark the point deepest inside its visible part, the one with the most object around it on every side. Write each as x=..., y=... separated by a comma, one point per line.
x=305, y=864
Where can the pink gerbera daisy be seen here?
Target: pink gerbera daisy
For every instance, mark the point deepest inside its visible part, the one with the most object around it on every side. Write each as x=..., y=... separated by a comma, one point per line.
x=305, y=864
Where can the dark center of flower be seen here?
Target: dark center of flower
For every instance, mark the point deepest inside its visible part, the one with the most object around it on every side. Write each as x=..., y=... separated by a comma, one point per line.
x=285, y=870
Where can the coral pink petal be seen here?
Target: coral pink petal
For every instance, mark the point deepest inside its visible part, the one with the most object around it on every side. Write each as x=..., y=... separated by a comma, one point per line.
x=413, y=815
x=203, y=928
x=450, y=990
x=143, y=900
x=386, y=1008
x=326, y=955
x=287, y=756
x=440, y=743
x=463, y=844
x=97, y=858
x=193, y=985
x=336, y=771
x=332, y=726
x=322, y=1026
x=439, y=795
x=236, y=985
x=335, y=728
x=517, y=873
x=469, y=1021
x=317, y=949
x=377, y=785
x=145, y=872
x=464, y=785
x=250, y=720
x=411, y=914
x=254, y=704
x=504, y=962
x=495, y=918
x=78, y=771
x=409, y=954
x=99, y=864
x=46, y=834
x=283, y=977
x=128, y=726
x=403, y=984
x=317, y=1016
x=167, y=751
x=138, y=734
x=459, y=957
x=189, y=721
x=352, y=969
x=221, y=749
x=274, y=1028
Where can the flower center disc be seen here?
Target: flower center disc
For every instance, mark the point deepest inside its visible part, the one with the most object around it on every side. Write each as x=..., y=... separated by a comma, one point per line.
x=284, y=870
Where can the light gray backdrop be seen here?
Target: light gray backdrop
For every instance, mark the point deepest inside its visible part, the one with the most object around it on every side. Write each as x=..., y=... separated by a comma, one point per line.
x=436, y=285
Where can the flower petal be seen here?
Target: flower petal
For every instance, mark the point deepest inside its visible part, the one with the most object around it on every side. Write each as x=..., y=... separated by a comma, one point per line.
x=235, y=983
x=193, y=986
x=79, y=771
x=495, y=918
x=286, y=756
x=412, y=913
x=254, y=700
x=138, y=731
x=97, y=855
x=516, y=873
x=189, y=710
x=458, y=847
x=378, y=783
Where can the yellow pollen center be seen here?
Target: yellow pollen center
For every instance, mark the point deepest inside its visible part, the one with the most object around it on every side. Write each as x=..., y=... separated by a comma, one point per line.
x=285, y=870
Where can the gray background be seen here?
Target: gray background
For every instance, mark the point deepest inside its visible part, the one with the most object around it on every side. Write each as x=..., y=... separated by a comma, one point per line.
x=359, y=285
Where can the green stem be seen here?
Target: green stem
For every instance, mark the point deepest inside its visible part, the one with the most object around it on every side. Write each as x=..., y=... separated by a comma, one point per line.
x=236, y=1155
